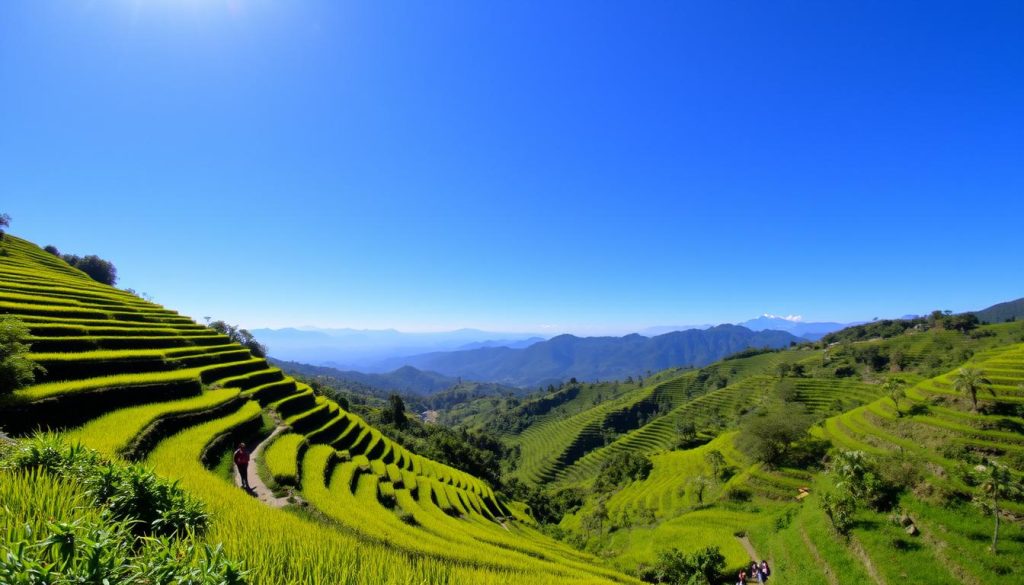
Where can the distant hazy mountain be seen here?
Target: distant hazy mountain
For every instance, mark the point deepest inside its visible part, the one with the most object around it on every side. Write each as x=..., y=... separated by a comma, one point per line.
x=358, y=349
x=1002, y=312
x=590, y=358
x=794, y=325
x=663, y=329
x=511, y=343
x=406, y=379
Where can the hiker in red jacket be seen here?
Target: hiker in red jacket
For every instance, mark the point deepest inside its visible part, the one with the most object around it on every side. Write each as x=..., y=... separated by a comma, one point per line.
x=242, y=463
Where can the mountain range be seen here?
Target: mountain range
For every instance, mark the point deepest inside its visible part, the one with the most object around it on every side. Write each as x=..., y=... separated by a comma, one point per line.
x=349, y=349
x=593, y=358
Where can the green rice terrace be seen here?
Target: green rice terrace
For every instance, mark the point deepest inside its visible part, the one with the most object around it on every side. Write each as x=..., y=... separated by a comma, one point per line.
x=876, y=458
x=136, y=382
x=891, y=403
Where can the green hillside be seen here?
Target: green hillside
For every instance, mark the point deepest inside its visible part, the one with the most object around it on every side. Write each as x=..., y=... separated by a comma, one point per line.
x=710, y=490
x=135, y=381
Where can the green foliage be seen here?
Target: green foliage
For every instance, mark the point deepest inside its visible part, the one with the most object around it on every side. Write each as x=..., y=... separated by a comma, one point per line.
x=768, y=435
x=54, y=536
x=16, y=369
x=394, y=412
x=546, y=507
x=621, y=468
x=702, y=567
x=98, y=269
x=894, y=389
x=996, y=484
x=969, y=381
x=839, y=506
x=240, y=336
x=152, y=505
x=855, y=473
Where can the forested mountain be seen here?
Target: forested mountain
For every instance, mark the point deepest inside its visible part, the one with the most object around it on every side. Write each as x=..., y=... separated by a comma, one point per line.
x=596, y=358
x=406, y=379
x=999, y=313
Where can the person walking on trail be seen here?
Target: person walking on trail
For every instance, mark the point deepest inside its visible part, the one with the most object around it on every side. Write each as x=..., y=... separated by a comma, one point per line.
x=742, y=578
x=755, y=573
x=242, y=463
x=765, y=571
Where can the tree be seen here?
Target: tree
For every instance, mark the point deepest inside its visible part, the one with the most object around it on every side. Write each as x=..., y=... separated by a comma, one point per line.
x=5, y=221
x=686, y=431
x=97, y=268
x=52, y=250
x=798, y=370
x=717, y=462
x=16, y=370
x=621, y=468
x=700, y=483
x=997, y=483
x=969, y=381
x=839, y=507
x=395, y=411
x=594, y=521
x=783, y=370
x=894, y=389
x=703, y=567
x=767, y=436
x=240, y=336
x=856, y=475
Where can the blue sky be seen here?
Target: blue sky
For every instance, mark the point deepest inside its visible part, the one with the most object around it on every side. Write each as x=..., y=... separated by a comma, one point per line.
x=589, y=167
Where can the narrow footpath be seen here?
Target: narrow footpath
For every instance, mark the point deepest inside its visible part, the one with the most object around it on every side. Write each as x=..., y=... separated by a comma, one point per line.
x=259, y=489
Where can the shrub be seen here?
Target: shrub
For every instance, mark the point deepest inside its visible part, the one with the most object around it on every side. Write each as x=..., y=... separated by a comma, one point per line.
x=768, y=435
x=839, y=507
x=52, y=535
x=622, y=468
x=703, y=567
x=240, y=336
x=131, y=493
x=97, y=268
x=16, y=370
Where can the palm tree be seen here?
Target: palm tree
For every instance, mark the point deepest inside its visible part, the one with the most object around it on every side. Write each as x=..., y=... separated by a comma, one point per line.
x=997, y=483
x=969, y=380
x=894, y=388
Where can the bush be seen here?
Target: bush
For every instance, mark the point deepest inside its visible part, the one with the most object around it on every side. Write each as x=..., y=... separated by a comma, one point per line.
x=703, y=567
x=16, y=370
x=154, y=506
x=767, y=436
x=97, y=268
x=240, y=336
x=52, y=535
x=839, y=507
x=622, y=468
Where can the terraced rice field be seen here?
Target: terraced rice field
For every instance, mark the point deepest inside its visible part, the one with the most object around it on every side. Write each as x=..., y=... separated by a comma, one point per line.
x=717, y=410
x=559, y=448
x=133, y=379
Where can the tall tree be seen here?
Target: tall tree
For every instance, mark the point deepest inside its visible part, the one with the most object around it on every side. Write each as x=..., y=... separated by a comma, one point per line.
x=997, y=484
x=894, y=389
x=969, y=381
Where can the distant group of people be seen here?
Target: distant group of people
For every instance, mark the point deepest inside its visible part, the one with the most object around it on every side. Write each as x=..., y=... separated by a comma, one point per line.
x=755, y=574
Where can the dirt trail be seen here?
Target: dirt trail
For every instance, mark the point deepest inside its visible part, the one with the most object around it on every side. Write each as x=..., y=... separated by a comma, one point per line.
x=259, y=489
x=750, y=548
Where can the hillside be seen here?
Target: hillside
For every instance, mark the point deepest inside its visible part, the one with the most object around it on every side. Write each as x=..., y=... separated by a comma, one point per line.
x=595, y=358
x=406, y=379
x=1002, y=312
x=133, y=380
x=705, y=486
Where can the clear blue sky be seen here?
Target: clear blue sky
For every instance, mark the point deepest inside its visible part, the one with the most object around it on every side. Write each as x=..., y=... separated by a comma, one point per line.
x=591, y=166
